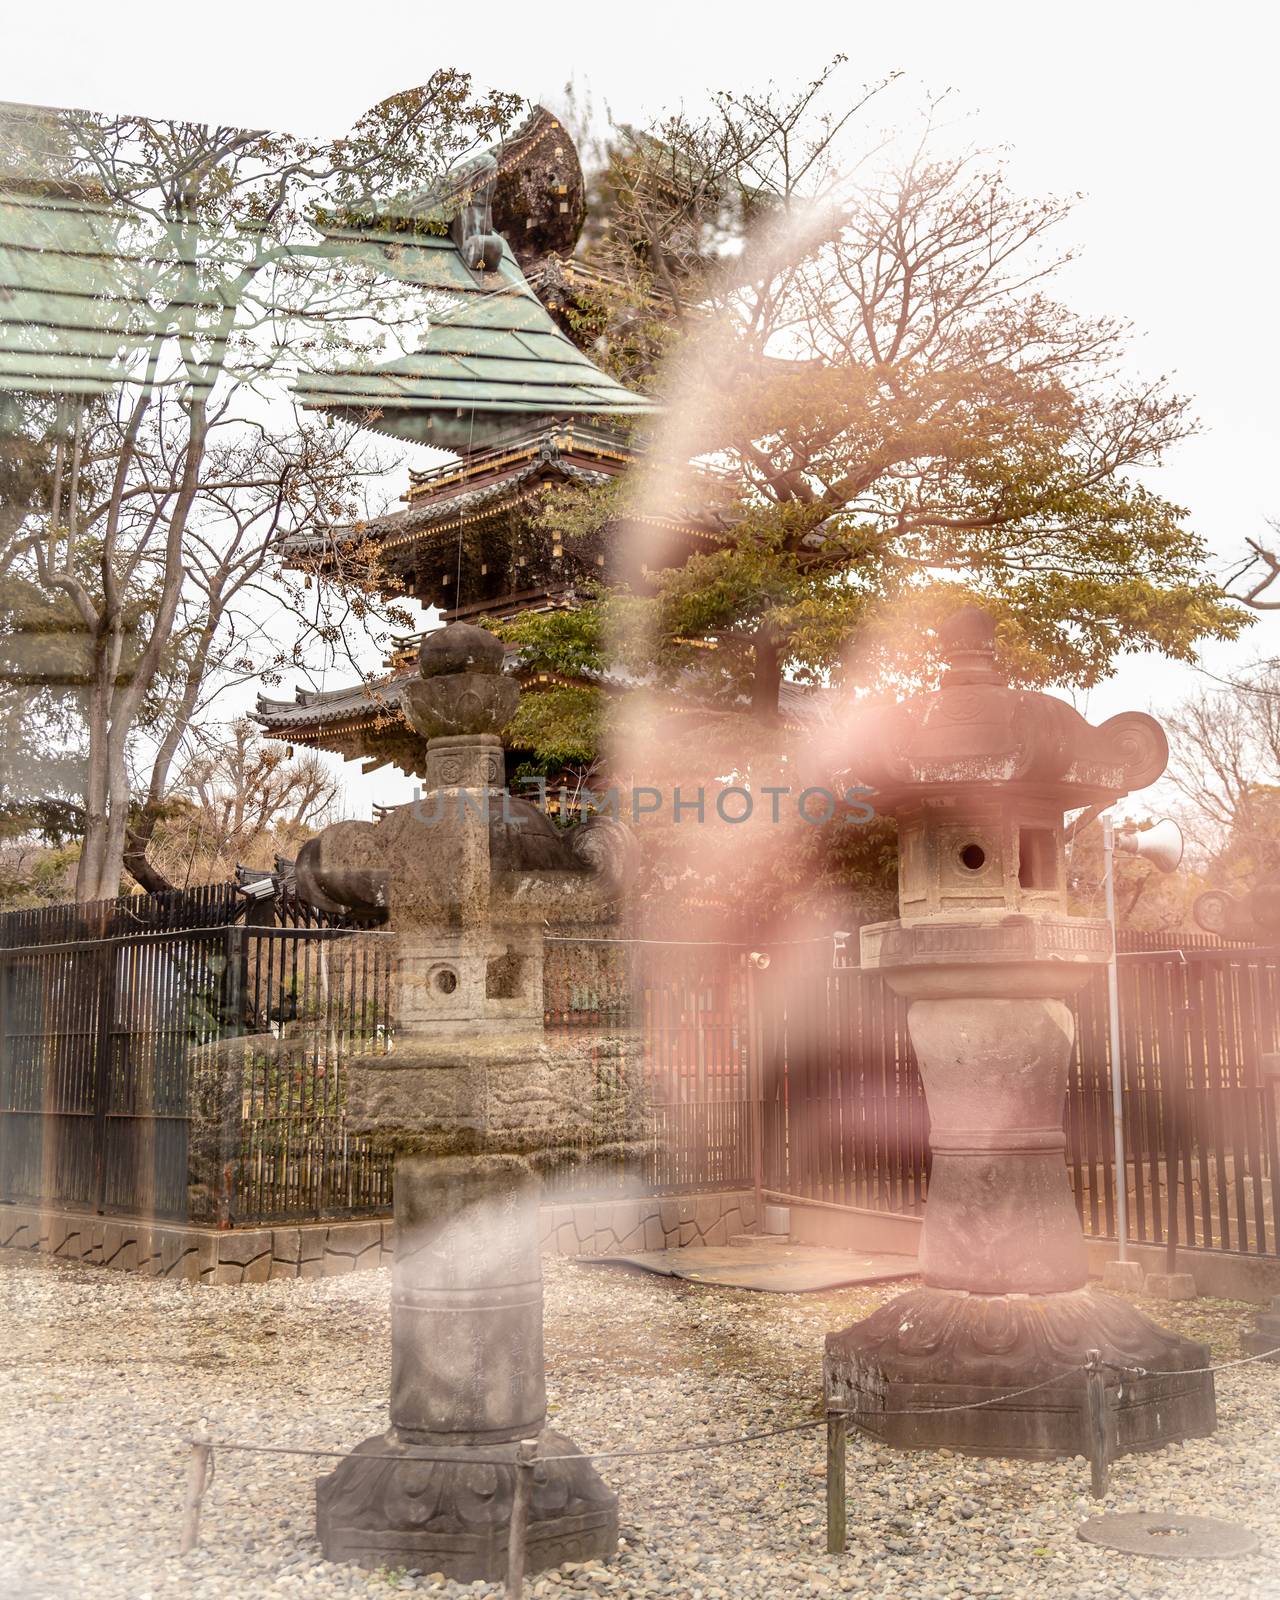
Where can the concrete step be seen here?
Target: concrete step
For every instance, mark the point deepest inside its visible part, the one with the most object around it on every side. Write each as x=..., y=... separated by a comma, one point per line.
x=746, y=1240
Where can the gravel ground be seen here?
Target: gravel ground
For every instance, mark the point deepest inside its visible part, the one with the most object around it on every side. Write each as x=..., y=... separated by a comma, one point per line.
x=102, y=1374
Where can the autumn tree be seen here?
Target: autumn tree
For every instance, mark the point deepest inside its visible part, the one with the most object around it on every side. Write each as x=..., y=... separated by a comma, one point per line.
x=880, y=371
x=188, y=273
x=867, y=373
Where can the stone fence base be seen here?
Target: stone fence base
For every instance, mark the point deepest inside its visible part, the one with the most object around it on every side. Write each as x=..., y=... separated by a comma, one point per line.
x=327, y=1249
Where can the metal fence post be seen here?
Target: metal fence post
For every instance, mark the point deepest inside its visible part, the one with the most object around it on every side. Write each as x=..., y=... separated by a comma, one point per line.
x=1117, y=1065
x=517, y=1534
x=1171, y=1094
x=755, y=1088
x=102, y=1069
x=1097, y=1434
x=230, y=1089
x=197, y=1481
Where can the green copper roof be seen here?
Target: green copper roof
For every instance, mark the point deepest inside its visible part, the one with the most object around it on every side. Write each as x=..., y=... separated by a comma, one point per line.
x=492, y=356
x=75, y=308
x=79, y=310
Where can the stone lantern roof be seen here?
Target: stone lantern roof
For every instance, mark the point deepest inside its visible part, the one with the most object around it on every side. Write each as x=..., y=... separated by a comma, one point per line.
x=975, y=730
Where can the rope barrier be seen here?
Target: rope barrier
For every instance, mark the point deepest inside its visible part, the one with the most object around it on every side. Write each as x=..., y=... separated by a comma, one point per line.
x=664, y=1450
x=1099, y=1440
x=718, y=944
x=768, y=1433
x=1190, y=1372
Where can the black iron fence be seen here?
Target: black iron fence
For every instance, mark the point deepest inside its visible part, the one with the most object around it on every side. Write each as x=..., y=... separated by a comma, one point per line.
x=205, y=905
x=190, y=1075
x=843, y=1110
x=199, y=1073
x=687, y=1008
x=845, y=1121
x=210, y=905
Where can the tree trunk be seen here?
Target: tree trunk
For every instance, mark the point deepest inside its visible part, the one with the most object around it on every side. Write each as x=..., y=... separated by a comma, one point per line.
x=767, y=680
x=118, y=798
x=137, y=843
x=97, y=720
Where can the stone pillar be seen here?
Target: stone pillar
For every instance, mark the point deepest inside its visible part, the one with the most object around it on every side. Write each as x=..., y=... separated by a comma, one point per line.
x=466, y=1302
x=470, y=1101
x=1000, y=1217
x=434, y=1491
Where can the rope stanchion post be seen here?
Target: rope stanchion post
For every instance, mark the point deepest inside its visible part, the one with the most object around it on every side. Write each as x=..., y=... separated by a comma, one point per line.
x=1096, y=1436
x=517, y=1537
x=837, y=1455
x=197, y=1478
x=1098, y=1426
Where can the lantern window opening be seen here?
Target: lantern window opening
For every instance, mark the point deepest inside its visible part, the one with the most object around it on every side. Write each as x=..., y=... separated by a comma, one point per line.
x=1037, y=859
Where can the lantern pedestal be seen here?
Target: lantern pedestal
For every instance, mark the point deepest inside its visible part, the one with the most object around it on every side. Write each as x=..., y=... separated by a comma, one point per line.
x=980, y=776
x=933, y=1348
x=435, y=1490
x=473, y=1100
x=1005, y=1304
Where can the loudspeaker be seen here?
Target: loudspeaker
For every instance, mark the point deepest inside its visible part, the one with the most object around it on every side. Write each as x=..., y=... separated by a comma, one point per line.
x=1161, y=845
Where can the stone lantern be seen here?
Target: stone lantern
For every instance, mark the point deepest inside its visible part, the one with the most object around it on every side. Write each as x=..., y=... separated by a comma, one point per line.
x=472, y=1101
x=979, y=776
x=1252, y=918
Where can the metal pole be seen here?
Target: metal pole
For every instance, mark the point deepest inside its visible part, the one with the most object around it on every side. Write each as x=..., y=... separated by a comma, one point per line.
x=755, y=1088
x=1117, y=1070
x=1172, y=1143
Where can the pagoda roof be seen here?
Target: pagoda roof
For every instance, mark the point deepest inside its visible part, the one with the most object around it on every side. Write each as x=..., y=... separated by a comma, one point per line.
x=491, y=358
x=85, y=290
x=485, y=482
x=364, y=708
x=367, y=702
x=76, y=301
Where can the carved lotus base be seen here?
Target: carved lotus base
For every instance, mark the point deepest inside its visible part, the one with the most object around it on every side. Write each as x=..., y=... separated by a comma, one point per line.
x=454, y=1516
x=932, y=1348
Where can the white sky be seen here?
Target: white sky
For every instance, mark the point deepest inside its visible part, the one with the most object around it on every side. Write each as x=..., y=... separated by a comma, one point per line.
x=1163, y=116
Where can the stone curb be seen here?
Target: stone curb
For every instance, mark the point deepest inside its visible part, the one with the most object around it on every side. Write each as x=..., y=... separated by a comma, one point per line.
x=330, y=1249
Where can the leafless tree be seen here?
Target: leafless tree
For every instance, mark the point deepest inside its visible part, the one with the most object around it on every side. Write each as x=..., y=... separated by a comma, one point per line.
x=239, y=801
x=207, y=266
x=1225, y=761
x=1256, y=574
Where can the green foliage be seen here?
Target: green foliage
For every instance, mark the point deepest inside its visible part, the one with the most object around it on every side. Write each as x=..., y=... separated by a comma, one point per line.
x=902, y=410
x=569, y=642
x=562, y=725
